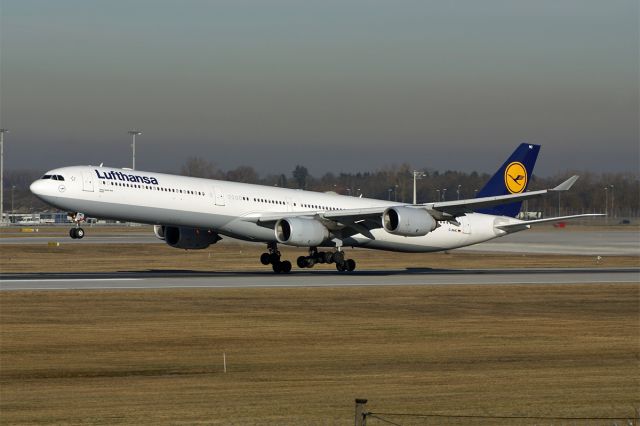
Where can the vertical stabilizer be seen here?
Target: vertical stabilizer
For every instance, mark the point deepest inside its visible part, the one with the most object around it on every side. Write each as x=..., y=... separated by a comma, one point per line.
x=511, y=178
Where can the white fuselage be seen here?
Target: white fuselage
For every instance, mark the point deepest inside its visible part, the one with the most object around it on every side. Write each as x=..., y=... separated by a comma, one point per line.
x=163, y=199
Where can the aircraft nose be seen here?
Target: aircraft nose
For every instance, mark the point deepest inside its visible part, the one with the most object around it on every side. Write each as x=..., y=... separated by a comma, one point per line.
x=38, y=187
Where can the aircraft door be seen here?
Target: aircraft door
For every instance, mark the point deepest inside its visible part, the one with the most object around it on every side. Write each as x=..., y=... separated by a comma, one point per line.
x=87, y=181
x=289, y=203
x=219, y=196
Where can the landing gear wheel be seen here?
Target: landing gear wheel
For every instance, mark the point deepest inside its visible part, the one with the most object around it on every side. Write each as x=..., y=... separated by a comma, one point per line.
x=76, y=233
x=273, y=257
x=301, y=262
x=350, y=264
x=341, y=267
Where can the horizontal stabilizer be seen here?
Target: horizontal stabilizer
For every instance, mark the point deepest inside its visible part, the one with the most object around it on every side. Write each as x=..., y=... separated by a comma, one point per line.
x=567, y=184
x=526, y=224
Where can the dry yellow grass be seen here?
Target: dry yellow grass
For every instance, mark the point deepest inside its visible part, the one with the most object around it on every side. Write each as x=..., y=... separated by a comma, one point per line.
x=71, y=257
x=301, y=356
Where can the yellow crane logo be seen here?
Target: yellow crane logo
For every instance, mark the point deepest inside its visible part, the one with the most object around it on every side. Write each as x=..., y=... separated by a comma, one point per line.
x=515, y=177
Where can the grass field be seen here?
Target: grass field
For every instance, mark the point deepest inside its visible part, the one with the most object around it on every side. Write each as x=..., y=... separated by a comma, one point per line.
x=69, y=257
x=301, y=356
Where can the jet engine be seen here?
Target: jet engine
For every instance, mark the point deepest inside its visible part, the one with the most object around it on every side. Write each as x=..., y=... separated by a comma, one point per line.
x=408, y=221
x=301, y=232
x=186, y=238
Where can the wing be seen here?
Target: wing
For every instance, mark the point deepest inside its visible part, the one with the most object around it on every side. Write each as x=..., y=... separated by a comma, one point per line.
x=344, y=223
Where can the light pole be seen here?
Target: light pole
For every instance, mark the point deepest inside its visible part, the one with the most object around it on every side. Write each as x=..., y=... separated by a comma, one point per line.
x=349, y=192
x=458, y=191
x=133, y=134
x=444, y=194
x=2, y=132
x=439, y=197
x=389, y=194
x=558, y=203
x=613, y=211
x=416, y=175
x=13, y=187
x=606, y=205
x=395, y=193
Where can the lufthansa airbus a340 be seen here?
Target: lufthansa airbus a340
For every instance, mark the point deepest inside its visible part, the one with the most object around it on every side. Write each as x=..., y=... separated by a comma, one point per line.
x=193, y=213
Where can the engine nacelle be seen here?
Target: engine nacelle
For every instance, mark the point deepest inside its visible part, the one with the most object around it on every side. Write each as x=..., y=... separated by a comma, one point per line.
x=158, y=230
x=407, y=221
x=301, y=232
x=186, y=238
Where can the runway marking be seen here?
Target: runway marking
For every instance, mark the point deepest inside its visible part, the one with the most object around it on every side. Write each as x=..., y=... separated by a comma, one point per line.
x=227, y=286
x=48, y=280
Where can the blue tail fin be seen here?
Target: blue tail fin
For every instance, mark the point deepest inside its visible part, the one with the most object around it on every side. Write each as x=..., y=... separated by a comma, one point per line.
x=511, y=178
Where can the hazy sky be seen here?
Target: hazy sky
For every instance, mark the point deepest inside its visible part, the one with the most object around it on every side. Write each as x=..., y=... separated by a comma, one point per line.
x=333, y=85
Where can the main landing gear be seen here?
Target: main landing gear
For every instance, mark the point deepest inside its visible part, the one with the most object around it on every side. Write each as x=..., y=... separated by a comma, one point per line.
x=337, y=257
x=76, y=233
x=273, y=258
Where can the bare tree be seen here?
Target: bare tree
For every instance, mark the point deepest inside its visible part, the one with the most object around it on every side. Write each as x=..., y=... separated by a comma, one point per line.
x=198, y=167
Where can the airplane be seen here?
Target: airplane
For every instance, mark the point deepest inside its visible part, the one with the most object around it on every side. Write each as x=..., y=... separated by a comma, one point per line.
x=194, y=213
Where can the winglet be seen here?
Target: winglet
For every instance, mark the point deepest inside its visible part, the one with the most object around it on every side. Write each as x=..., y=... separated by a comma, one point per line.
x=567, y=184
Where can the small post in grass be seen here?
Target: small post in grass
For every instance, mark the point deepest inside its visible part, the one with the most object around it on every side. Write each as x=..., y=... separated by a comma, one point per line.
x=224, y=361
x=360, y=413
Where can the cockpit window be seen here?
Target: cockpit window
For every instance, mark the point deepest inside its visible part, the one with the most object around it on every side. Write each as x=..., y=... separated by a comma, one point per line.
x=57, y=177
x=46, y=177
x=60, y=177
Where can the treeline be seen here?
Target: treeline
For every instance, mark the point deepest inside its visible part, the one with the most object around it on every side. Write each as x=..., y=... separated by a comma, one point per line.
x=621, y=198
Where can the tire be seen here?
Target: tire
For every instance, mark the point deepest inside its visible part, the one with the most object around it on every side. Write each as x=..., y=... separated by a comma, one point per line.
x=328, y=257
x=302, y=262
x=72, y=233
x=79, y=233
x=285, y=267
x=277, y=267
x=274, y=258
x=340, y=267
x=350, y=265
x=338, y=257
x=265, y=258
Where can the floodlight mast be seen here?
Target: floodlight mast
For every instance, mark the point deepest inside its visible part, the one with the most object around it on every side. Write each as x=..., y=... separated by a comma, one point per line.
x=2, y=132
x=133, y=134
x=416, y=175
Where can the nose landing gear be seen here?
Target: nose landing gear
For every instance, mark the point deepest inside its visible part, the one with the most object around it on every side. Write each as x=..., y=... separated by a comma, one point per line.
x=76, y=233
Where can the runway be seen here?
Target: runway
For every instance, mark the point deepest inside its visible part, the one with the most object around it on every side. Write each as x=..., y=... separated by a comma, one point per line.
x=405, y=277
